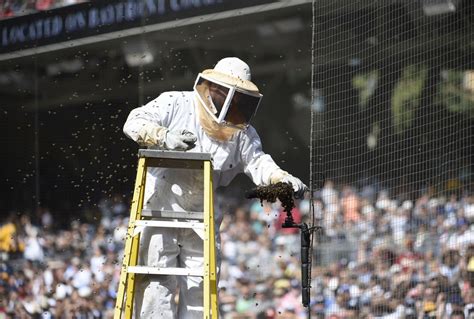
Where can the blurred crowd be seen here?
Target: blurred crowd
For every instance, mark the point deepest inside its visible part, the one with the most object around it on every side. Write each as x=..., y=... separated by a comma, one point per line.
x=402, y=258
x=49, y=272
x=15, y=8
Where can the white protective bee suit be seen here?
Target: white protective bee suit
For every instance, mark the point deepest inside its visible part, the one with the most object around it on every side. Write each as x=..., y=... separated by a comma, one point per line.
x=188, y=121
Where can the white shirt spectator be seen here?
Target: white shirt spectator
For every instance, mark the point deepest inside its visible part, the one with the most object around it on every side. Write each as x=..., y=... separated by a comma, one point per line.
x=229, y=249
x=469, y=211
x=383, y=201
x=398, y=223
x=450, y=273
x=33, y=250
x=449, y=240
x=120, y=232
x=62, y=291
x=48, y=279
x=82, y=278
x=328, y=194
x=97, y=264
x=46, y=219
x=465, y=239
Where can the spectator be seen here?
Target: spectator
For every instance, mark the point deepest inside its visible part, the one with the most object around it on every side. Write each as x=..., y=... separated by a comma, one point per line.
x=8, y=237
x=33, y=248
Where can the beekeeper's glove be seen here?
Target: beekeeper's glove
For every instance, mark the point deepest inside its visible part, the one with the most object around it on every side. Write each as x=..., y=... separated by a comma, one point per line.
x=155, y=135
x=180, y=140
x=282, y=176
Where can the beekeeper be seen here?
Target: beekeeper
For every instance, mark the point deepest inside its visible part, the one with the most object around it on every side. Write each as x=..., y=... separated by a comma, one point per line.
x=213, y=118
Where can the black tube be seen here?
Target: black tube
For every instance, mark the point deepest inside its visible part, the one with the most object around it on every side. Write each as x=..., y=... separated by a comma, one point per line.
x=305, y=265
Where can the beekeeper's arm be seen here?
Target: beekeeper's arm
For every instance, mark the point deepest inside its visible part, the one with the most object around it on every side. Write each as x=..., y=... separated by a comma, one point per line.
x=261, y=168
x=147, y=125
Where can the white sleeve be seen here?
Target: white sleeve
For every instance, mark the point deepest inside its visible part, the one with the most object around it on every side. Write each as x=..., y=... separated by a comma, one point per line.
x=257, y=165
x=155, y=114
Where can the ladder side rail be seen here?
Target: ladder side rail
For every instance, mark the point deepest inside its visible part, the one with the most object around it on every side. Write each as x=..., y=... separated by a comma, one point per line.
x=137, y=194
x=210, y=270
x=207, y=265
x=213, y=256
x=134, y=251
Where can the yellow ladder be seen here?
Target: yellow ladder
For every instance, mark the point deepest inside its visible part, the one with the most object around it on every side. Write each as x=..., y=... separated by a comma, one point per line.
x=139, y=217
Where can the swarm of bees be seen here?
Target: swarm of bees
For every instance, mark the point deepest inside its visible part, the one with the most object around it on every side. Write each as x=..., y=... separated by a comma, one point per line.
x=282, y=191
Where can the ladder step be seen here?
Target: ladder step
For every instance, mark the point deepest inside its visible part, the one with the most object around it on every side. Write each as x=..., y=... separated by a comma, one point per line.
x=171, y=214
x=165, y=271
x=169, y=224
